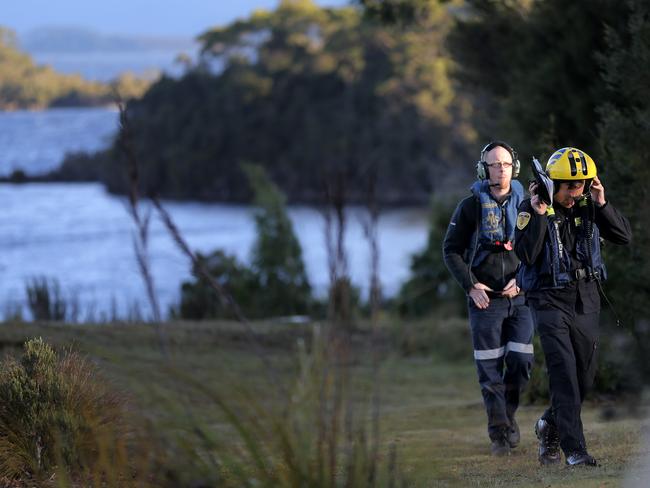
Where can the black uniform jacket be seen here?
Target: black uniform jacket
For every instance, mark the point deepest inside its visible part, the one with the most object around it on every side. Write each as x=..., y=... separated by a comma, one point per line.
x=529, y=243
x=495, y=271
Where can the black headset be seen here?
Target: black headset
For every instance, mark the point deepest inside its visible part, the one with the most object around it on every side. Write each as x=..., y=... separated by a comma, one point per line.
x=482, y=171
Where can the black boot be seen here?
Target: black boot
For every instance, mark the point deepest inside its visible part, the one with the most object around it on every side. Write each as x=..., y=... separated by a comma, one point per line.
x=500, y=446
x=580, y=458
x=513, y=433
x=549, y=442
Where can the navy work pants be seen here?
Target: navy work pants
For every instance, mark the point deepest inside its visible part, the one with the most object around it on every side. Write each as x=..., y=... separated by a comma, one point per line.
x=567, y=323
x=502, y=336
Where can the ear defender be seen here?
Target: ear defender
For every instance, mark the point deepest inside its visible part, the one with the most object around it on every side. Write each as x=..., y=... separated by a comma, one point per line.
x=482, y=171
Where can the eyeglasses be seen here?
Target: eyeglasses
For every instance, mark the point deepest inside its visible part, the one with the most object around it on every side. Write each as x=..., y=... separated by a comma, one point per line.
x=500, y=165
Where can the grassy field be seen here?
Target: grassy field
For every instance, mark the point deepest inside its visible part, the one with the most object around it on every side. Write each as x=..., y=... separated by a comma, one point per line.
x=431, y=407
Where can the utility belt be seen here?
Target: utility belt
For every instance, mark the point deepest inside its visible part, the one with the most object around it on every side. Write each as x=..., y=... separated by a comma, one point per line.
x=584, y=274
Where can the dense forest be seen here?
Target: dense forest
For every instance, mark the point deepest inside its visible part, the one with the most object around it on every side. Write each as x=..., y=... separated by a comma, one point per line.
x=24, y=84
x=401, y=91
x=310, y=94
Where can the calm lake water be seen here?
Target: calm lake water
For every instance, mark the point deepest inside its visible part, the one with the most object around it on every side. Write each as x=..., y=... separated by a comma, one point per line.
x=36, y=141
x=83, y=236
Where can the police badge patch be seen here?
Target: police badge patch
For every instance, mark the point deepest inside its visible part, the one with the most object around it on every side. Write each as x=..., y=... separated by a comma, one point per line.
x=522, y=220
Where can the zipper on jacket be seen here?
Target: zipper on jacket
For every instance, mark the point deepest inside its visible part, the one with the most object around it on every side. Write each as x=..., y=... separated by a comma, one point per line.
x=505, y=229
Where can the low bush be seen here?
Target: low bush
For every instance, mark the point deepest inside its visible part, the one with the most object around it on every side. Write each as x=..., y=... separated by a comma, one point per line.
x=59, y=419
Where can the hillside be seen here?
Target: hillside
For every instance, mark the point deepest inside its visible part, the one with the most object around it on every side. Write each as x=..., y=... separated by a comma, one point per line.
x=26, y=85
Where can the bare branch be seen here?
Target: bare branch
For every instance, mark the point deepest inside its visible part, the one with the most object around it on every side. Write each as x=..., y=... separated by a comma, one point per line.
x=225, y=297
x=141, y=237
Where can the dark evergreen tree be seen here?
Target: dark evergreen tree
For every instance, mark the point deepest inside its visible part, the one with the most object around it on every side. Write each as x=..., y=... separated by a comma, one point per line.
x=200, y=301
x=277, y=256
x=275, y=283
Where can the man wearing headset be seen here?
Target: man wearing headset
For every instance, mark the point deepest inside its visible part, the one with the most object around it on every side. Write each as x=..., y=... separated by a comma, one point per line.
x=478, y=251
x=558, y=241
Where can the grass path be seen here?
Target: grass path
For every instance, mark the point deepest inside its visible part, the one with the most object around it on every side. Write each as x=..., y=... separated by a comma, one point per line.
x=431, y=409
x=442, y=438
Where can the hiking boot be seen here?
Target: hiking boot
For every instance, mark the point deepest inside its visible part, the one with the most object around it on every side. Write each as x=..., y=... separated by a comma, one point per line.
x=500, y=446
x=512, y=435
x=549, y=442
x=580, y=458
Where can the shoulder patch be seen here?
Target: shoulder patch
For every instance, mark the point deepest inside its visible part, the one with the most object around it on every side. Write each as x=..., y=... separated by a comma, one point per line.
x=522, y=220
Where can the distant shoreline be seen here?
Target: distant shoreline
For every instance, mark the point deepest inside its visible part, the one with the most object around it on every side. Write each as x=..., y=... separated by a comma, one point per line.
x=108, y=106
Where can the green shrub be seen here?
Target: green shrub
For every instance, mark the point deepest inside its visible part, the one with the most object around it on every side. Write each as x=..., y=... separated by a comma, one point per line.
x=275, y=283
x=200, y=301
x=58, y=418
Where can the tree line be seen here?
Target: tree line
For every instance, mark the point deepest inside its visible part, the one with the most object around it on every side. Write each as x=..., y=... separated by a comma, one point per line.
x=305, y=92
x=26, y=85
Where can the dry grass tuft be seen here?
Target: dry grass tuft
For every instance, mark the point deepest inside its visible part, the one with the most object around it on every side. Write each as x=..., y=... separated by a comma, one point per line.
x=59, y=419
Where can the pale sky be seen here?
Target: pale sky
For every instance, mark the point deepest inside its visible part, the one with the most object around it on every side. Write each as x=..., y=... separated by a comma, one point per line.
x=183, y=18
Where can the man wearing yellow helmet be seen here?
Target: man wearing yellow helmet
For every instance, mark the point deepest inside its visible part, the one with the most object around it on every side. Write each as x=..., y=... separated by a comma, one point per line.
x=558, y=243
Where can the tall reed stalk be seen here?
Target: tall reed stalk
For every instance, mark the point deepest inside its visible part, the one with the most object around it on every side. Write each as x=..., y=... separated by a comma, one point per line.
x=141, y=221
x=314, y=433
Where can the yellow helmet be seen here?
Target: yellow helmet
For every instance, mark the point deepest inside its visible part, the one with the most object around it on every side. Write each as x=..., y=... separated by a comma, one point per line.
x=570, y=163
